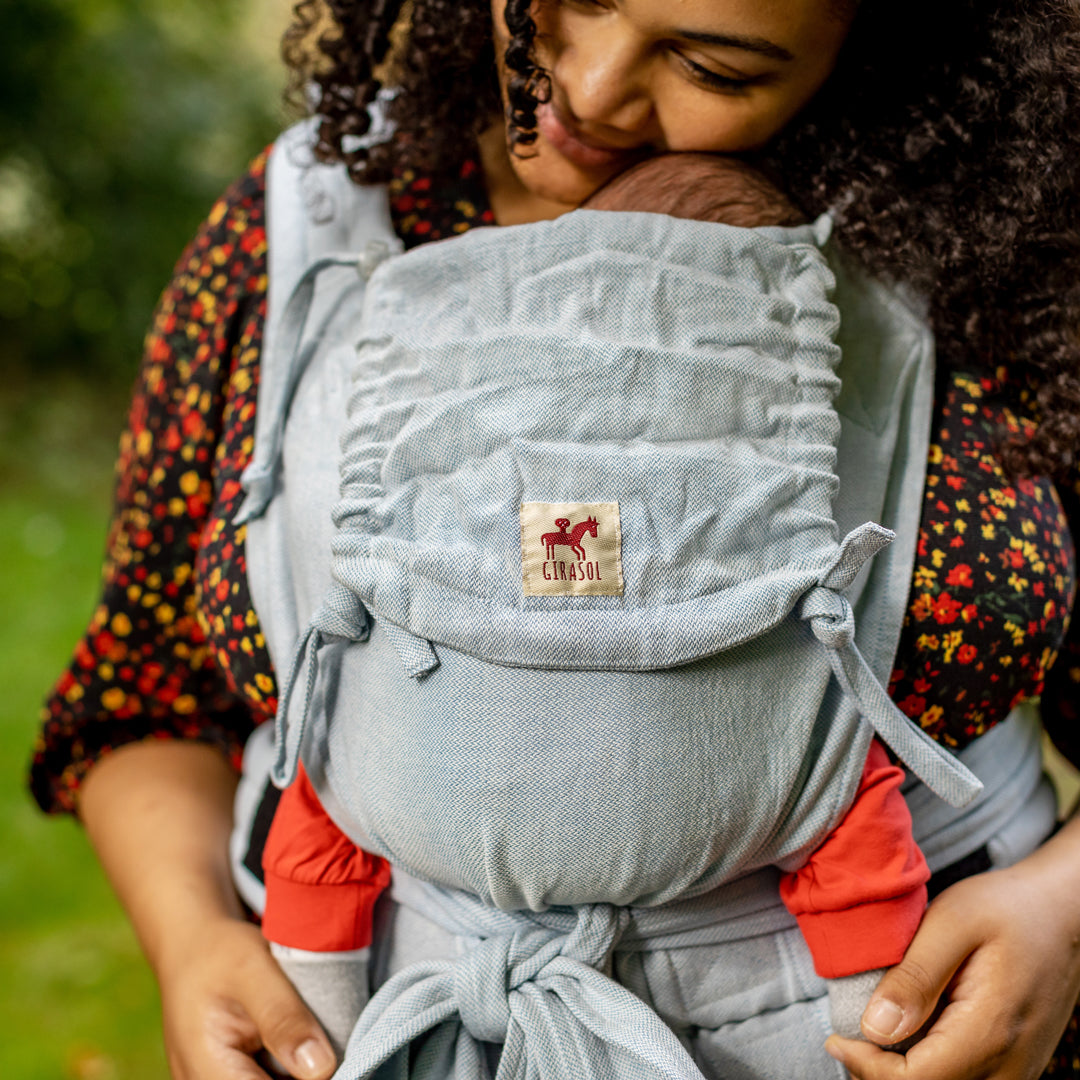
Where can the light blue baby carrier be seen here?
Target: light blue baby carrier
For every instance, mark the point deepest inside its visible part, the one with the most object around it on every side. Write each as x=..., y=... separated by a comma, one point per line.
x=578, y=651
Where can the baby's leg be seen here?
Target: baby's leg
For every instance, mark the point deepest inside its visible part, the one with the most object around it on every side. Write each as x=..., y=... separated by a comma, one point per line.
x=703, y=187
x=320, y=892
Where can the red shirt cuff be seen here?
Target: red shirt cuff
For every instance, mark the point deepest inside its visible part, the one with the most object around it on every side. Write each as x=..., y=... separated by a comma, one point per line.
x=864, y=937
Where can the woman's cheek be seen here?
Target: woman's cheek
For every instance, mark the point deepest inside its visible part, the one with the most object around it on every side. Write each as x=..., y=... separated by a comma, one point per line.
x=722, y=132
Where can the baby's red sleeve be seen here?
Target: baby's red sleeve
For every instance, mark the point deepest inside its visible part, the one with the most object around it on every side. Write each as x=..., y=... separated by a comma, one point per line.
x=860, y=896
x=320, y=887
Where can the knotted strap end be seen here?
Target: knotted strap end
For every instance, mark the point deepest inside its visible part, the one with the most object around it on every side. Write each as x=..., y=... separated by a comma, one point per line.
x=341, y=618
x=289, y=729
x=417, y=655
x=858, y=547
x=258, y=483
x=939, y=770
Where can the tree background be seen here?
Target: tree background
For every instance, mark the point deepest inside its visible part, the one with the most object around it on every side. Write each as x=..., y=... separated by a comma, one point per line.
x=120, y=123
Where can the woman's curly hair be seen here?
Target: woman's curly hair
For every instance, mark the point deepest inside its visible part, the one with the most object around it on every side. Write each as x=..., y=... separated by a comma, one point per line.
x=946, y=143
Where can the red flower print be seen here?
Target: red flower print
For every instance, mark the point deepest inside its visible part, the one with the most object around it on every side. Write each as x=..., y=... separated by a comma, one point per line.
x=965, y=654
x=960, y=574
x=913, y=706
x=1013, y=558
x=922, y=608
x=946, y=609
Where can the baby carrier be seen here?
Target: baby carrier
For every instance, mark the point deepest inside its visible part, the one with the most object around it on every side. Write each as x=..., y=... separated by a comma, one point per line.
x=580, y=644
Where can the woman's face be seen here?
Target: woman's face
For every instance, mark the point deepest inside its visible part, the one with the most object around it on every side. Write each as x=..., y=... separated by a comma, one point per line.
x=631, y=78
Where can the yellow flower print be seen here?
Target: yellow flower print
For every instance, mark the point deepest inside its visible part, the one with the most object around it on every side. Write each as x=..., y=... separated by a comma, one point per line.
x=952, y=640
x=1017, y=582
x=924, y=577
x=113, y=698
x=931, y=716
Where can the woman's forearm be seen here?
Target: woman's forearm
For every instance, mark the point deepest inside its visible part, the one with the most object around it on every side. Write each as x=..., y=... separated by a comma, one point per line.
x=1060, y=856
x=159, y=815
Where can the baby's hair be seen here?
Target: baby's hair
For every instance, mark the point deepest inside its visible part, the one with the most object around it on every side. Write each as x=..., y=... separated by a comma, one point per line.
x=701, y=187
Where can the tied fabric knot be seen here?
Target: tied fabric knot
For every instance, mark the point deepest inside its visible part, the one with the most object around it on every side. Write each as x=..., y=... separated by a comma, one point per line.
x=485, y=976
x=540, y=985
x=830, y=616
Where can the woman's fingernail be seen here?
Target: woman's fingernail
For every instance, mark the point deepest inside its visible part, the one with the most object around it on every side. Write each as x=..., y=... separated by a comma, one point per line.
x=883, y=1017
x=833, y=1049
x=314, y=1058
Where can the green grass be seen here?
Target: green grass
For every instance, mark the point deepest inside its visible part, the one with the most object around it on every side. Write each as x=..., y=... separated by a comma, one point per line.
x=76, y=997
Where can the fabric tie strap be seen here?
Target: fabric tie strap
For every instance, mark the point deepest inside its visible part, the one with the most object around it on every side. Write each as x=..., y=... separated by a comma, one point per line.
x=259, y=479
x=341, y=618
x=537, y=989
x=833, y=624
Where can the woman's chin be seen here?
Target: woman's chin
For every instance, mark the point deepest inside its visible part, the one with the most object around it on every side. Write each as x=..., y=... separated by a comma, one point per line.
x=550, y=177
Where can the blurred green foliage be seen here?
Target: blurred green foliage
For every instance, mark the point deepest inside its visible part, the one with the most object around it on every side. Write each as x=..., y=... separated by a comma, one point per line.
x=120, y=122
x=78, y=1001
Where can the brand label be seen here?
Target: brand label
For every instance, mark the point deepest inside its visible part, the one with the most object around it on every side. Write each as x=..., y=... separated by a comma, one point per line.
x=571, y=549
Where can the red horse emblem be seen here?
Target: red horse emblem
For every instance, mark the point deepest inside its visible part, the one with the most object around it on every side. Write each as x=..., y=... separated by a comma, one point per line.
x=572, y=540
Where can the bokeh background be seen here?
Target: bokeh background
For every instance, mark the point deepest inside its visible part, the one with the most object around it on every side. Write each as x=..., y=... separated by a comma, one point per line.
x=120, y=123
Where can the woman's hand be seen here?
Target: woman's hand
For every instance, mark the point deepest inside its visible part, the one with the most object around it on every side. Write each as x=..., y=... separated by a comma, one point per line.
x=1004, y=950
x=225, y=1000
x=159, y=815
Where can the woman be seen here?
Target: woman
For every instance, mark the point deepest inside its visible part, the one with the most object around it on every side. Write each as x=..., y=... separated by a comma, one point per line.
x=942, y=138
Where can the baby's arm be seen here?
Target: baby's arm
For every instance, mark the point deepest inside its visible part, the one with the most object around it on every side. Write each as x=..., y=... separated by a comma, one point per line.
x=861, y=895
x=702, y=187
x=320, y=893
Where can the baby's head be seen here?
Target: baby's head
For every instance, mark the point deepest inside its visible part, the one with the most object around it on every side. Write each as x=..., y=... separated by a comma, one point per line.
x=703, y=187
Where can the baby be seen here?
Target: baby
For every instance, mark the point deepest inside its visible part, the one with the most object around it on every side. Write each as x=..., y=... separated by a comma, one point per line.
x=859, y=897
x=701, y=187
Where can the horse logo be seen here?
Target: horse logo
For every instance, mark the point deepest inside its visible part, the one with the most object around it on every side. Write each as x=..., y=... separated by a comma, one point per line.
x=556, y=563
x=572, y=540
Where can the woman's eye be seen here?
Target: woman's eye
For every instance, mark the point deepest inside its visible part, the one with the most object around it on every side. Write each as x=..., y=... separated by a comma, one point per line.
x=713, y=79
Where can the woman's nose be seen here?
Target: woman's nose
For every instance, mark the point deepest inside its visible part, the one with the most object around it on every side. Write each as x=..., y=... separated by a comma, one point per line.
x=603, y=75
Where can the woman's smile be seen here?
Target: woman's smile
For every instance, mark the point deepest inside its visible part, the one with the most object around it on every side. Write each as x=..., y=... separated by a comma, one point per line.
x=585, y=151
